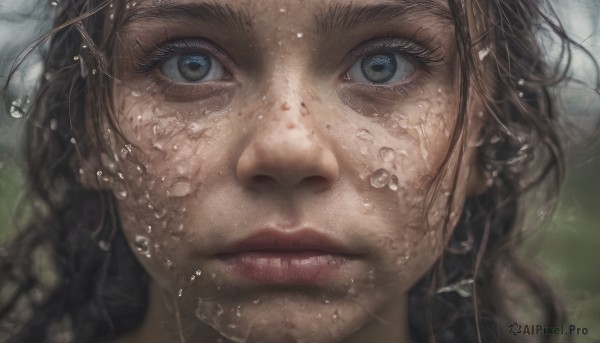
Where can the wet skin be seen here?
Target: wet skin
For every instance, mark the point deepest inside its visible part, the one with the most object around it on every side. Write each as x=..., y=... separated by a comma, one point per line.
x=285, y=120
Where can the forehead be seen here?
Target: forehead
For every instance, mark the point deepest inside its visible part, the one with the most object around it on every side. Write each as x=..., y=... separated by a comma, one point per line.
x=322, y=15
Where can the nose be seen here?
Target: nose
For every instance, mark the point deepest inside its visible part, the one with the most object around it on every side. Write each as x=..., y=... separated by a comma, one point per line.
x=286, y=150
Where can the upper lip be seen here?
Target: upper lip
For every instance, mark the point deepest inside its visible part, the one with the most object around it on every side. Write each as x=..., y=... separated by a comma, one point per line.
x=272, y=240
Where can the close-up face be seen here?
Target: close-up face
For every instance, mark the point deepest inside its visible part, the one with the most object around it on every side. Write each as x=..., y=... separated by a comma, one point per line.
x=276, y=158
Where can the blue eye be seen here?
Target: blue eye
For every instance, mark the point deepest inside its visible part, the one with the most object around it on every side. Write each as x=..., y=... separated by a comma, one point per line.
x=382, y=68
x=192, y=68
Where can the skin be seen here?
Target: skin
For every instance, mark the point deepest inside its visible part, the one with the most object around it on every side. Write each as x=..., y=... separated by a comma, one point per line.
x=287, y=140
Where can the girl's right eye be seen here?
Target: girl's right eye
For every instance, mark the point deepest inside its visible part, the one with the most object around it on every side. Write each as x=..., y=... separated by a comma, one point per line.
x=194, y=67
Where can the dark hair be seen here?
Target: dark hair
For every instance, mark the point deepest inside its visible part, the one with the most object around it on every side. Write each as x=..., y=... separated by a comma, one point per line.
x=90, y=287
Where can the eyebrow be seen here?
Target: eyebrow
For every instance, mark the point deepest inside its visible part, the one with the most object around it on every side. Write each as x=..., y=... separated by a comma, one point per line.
x=223, y=14
x=332, y=19
x=346, y=17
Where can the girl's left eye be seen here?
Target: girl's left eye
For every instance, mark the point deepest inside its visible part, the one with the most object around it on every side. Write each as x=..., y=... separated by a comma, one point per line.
x=193, y=68
x=382, y=68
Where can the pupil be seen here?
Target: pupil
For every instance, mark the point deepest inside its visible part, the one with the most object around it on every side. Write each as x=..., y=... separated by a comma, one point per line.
x=194, y=67
x=379, y=68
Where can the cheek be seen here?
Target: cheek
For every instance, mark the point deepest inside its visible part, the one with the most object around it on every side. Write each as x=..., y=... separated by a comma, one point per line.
x=397, y=158
x=161, y=169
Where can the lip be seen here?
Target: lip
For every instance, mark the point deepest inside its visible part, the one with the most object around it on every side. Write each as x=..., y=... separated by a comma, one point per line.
x=282, y=258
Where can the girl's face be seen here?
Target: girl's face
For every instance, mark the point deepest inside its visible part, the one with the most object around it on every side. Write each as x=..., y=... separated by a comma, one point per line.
x=280, y=155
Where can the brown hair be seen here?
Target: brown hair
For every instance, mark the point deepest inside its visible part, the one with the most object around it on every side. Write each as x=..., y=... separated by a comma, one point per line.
x=98, y=291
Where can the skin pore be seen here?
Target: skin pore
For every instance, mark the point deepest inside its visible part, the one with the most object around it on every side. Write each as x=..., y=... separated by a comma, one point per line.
x=240, y=116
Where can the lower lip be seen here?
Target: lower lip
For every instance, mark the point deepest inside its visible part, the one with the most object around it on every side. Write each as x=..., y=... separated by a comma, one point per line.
x=276, y=268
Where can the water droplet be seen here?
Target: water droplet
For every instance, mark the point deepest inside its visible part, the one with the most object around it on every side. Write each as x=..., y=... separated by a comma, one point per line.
x=238, y=311
x=119, y=190
x=53, y=3
x=180, y=292
x=16, y=109
x=364, y=134
x=169, y=264
x=521, y=94
x=256, y=301
x=521, y=82
x=104, y=245
x=193, y=277
x=335, y=316
x=53, y=124
x=402, y=259
x=483, y=53
x=180, y=188
x=142, y=245
x=195, y=130
x=126, y=150
x=99, y=173
x=208, y=310
x=76, y=58
x=326, y=301
x=380, y=178
x=299, y=34
x=464, y=288
x=394, y=183
x=387, y=154
x=198, y=272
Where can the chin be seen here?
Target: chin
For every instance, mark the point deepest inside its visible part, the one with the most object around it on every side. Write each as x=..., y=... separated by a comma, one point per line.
x=283, y=320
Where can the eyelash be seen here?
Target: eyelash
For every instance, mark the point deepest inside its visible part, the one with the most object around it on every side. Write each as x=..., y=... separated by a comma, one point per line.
x=426, y=57
x=424, y=54
x=160, y=52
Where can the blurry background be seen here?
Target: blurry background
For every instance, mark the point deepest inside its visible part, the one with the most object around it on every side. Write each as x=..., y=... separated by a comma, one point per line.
x=567, y=247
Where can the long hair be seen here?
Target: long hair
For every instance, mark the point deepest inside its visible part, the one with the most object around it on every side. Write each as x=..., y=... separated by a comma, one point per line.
x=69, y=275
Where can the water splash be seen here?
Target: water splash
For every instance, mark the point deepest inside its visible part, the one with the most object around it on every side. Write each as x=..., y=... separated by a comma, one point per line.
x=211, y=313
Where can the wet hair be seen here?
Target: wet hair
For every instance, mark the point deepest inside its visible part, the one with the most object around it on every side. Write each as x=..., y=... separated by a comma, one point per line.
x=70, y=275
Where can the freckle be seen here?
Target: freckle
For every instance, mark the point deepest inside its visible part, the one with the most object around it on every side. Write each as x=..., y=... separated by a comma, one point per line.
x=303, y=105
x=291, y=126
x=239, y=113
x=328, y=127
x=285, y=106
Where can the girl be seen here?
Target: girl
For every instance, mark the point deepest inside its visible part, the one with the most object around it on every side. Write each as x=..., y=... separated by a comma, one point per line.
x=284, y=171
